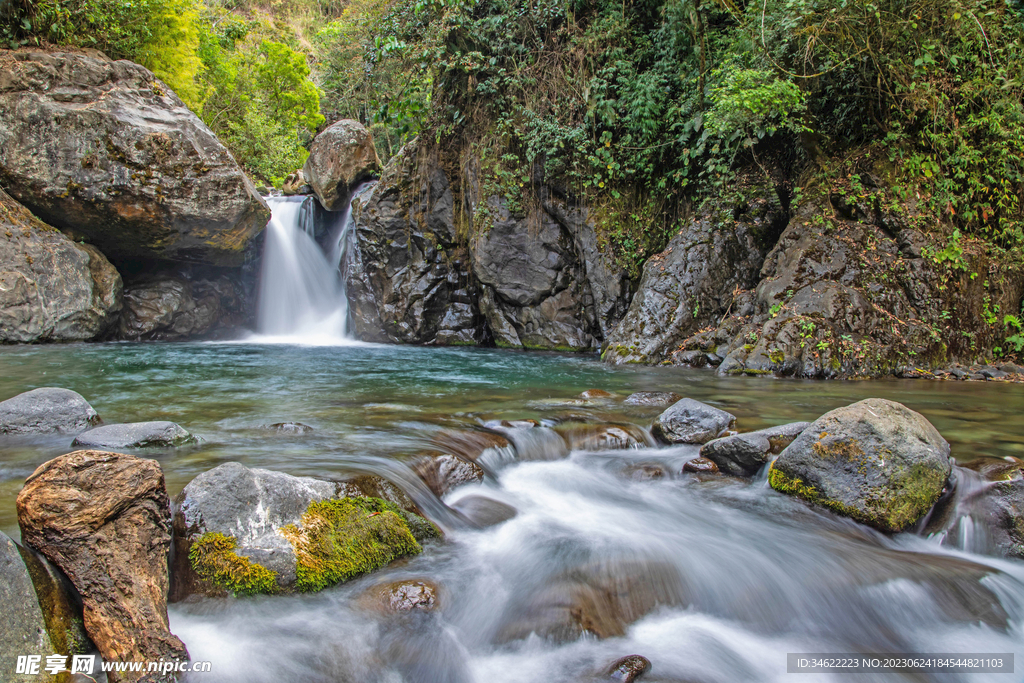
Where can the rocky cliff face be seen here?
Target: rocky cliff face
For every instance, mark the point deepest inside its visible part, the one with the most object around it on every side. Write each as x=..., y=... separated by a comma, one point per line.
x=106, y=152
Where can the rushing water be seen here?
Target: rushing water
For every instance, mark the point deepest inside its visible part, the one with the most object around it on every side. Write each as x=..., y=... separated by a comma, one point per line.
x=742, y=574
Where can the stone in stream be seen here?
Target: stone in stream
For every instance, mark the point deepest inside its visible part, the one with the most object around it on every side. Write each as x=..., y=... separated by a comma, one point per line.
x=483, y=512
x=876, y=461
x=690, y=421
x=402, y=596
x=600, y=437
x=628, y=669
x=741, y=455
x=699, y=465
x=442, y=472
x=782, y=435
x=591, y=394
x=48, y=409
x=61, y=604
x=51, y=288
x=1000, y=506
x=104, y=519
x=290, y=428
x=341, y=157
x=135, y=435
x=656, y=399
x=22, y=626
x=242, y=531
x=103, y=150
x=645, y=471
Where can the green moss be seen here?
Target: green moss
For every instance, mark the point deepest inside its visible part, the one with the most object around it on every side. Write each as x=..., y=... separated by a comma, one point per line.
x=342, y=538
x=213, y=557
x=783, y=483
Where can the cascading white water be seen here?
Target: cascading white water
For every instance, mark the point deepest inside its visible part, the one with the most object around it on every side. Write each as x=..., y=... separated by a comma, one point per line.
x=302, y=295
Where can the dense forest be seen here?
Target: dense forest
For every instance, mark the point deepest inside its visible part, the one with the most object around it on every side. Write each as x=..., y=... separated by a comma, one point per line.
x=643, y=108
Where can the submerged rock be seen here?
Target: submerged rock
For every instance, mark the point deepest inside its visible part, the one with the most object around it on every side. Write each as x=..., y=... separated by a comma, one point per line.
x=290, y=428
x=104, y=519
x=52, y=289
x=47, y=409
x=443, y=472
x=22, y=626
x=591, y=394
x=104, y=150
x=483, y=512
x=741, y=455
x=341, y=157
x=690, y=421
x=243, y=531
x=645, y=471
x=652, y=398
x=876, y=461
x=629, y=669
x=599, y=437
x=135, y=435
x=402, y=596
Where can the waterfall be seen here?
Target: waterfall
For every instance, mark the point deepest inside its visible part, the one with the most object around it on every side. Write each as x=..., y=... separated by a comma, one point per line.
x=302, y=296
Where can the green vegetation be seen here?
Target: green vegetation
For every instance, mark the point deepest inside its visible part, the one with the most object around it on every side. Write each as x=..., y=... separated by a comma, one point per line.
x=213, y=558
x=342, y=538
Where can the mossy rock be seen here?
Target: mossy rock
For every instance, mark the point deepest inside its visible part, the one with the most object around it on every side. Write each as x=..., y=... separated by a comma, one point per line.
x=213, y=557
x=875, y=461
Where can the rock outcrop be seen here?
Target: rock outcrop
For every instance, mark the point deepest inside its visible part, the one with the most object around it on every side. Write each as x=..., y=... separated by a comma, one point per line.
x=52, y=289
x=875, y=461
x=22, y=626
x=160, y=434
x=47, y=409
x=104, y=519
x=183, y=305
x=690, y=421
x=243, y=531
x=104, y=151
x=340, y=158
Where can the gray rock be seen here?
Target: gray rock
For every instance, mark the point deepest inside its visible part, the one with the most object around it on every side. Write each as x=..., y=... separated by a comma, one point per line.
x=22, y=626
x=741, y=455
x=483, y=512
x=176, y=307
x=652, y=398
x=690, y=421
x=104, y=150
x=51, y=289
x=47, y=409
x=444, y=472
x=1000, y=506
x=341, y=157
x=135, y=435
x=690, y=285
x=782, y=435
x=876, y=461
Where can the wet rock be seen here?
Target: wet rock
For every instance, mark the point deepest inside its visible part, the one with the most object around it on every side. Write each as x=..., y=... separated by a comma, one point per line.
x=600, y=599
x=690, y=285
x=652, y=398
x=22, y=627
x=741, y=455
x=876, y=461
x=591, y=394
x=600, y=437
x=341, y=157
x=181, y=306
x=104, y=519
x=295, y=183
x=782, y=435
x=402, y=596
x=444, y=472
x=61, y=605
x=103, y=150
x=531, y=440
x=290, y=428
x=483, y=512
x=48, y=409
x=52, y=289
x=135, y=435
x=645, y=471
x=469, y=444
x=1001, y=506
x=629, y=669
x=240, y=518
x=700, y=465
x=690, y=421
x=1001, y=469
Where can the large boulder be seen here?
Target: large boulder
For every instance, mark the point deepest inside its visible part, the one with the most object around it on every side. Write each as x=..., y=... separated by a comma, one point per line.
x=690, y=284
x=241, y=531
x=159, y=433
x=182, y=305
x=47, y=409
x=103, y=150
x=104, y=519
x=51, y=289
x=340, y=158
x=690, y=421
x=876, y=461
x=22, y=626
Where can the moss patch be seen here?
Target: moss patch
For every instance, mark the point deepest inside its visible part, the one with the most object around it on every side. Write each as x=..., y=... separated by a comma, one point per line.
x=213, y=557
x=342, y=538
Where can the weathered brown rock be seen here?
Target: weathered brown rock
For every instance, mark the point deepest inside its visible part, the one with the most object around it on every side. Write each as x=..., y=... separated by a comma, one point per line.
x=402, y=596
x=51, y=289
x=628, y=669
x=104, y=150
x=442, y=472
x=340, y=158
x=700, y=465
x=104, y=519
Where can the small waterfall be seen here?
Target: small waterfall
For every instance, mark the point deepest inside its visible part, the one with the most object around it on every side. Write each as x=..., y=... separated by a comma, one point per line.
x=302, y=296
